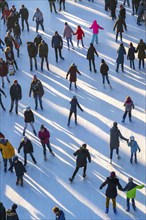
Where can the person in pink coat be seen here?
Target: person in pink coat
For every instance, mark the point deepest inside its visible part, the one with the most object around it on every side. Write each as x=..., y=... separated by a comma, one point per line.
x=80, y=34
x=95, y=28
x=44, y=136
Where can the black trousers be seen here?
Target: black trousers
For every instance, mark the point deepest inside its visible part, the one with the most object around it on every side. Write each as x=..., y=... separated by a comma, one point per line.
x=26, y=22
x=128, y=203
x=93, y=63
x=111, y=152
x=42, y=62
x=62, y=2
x=31, y=63
x=57, y=49
x=44, y=148
x=125, y=114
x=32, y=157
x=118, y=34
x=70, y=114
x=76, y=170
x=105, y=77
x=52, y=5
x=16, y=104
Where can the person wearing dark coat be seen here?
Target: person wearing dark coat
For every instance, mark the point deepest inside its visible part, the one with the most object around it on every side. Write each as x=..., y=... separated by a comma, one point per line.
x=104, y=72
x=120, y=58
x=17, y=29
x=43, y=53
x=113, y=5
x=2, y=212
x=27, y=149
x=112, y=183
x=128, y=108
x=115, y=134
x=9, y=40
x=122, y=12
x=16, y=95
x=81, y=161
x=119, y=26
x=37, y=40
x=57, y=44
x=73, y=109
x=11, y=21
x=131, y=55
x=32, y=53
x=10, y=59
x=3, y=71
x=90, y=56
x=19, y=170
x=72, y=73
x=38, y=91
x=58, y=213
x=11, y=214
x=1, y=103
x=23, y=12
x=29, y=118
x=52, y=5
x=141, y=52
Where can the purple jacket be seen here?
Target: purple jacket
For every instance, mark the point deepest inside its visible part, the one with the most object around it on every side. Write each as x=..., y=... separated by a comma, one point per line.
x=67, y=31
x=96, y=27
x=44, y=136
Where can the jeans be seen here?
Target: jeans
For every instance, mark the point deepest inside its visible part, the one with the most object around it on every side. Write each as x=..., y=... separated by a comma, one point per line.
x=122, y=66
x=76, y=170
x=127, y=2
x=132, y=64
x=113, y=201
x=125, y=114
x=94, y=37
x=105, y=77
x=60, y=3
x=69, y=39
x=135, y=155
x=42, y=62
x=70, y=114
x=5, y=162
x=128, y=203
x=81, y=42
x=111, y=152
x=118, y=34
x=32, y=157
x=44, y=148
x=52, y=4
x=39, y=23
x=140, y=63
x=37, y=97
x=31, y=124
x=26, y=22
x=12, y=104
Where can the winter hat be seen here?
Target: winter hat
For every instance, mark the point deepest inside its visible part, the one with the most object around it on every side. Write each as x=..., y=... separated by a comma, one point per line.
x=131, y=138
x=74, y=97
x=42, y=126
x=102, y=60
x=84, y=145
x=25, y=138
x=34, y=77
x=113, y=174
x=15, y=158
x=3, y=140
x=55, y=209
x=28, y=108
x=128, y=98
x=65, y=23
x=15, y=81
x=115, y=124
x=130, y=179
x=14, y=206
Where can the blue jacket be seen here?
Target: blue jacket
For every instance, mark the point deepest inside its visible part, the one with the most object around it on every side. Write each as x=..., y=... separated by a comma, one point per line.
x=121, y=52
x=134, y=146
x=60, y=216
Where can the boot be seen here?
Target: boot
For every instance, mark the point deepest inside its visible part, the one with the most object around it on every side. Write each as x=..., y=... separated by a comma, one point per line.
x=3, y=85
x=115, y=210
x=34, y=132
x=84, y=175
x=52, y=154
x=118, y=157
x=23, y=133
x=45, y=158
x=107, y=210
x=21, y=182
x=110, y=161
x=71, y=179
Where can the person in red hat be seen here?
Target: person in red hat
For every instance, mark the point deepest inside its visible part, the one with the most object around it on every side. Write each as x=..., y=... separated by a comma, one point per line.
x=112, y=183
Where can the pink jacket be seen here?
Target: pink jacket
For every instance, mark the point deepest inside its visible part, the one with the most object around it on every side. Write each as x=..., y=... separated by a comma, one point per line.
x=44, y=136
x=96, y=27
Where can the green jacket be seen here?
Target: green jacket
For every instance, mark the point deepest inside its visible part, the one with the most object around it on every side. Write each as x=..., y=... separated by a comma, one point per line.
x=131, y=189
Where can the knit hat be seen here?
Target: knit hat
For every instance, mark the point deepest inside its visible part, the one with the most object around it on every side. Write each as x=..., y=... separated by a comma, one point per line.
x=130, y=179
x=28, y=108
x=15, y=81
x=25, y=138
x=74, y=97
x=3, y=140
x=15, y=158
x=113, y=174
x=132, y=138
x=34, y=77
x=115, y=124
x=84, y=145
x=42, y=126
x=14, y=206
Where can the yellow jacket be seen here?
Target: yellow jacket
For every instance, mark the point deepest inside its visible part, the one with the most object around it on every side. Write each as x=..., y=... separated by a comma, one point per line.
x=7, y=150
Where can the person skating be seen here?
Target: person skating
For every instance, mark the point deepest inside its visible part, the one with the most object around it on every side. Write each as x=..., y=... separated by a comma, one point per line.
x=81, y=161
x=24, y=13
x=57, y=44
x=16, y=95
x=38, y=16
x=8, y=152
x=68, y=32
x=134, y=148
x=80, y=34
x=128, y=108
x=9, y=40
x=10, y=57
x=2, y=212
x=95, y=28
x=19, y=170
x=43, y=54
x=72, y=73
x=131, y=55
x=1, y=103
x=90, y=56
x=141, y=52
x=120, y=57
x=44, y=136
x=27, y=146
x=112, y=183
x=11, y=214
x=119, y=26
x=38, y=91
x=58, y=213
x=29, y=118
x=115, y=134
x=32, y=53
x=104, y=72
x=73, y=109
x=130, y=189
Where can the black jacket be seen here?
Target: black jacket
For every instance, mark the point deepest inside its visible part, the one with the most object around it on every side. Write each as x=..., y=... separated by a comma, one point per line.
x=131, y=53
x=32, y=49
x=27, y=146
x=82, y=155
x=12, y=215
x=57, y=41
x=19, y=168
x=28, y=116
x=90, y=53
x=104, y=69
x=24, y=13
x=122, y=13
x=74, y=104
x=113, y=183
x=15, y=92
x=2, y=212
x=120, y=25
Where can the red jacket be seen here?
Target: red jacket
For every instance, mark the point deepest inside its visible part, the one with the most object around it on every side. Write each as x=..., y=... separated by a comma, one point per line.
x=44, y=136
x=6, y=13
x=80, y=33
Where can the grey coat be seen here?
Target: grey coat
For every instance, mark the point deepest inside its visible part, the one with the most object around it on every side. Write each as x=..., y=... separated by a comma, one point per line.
x=121, y=52
x=115, y=134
